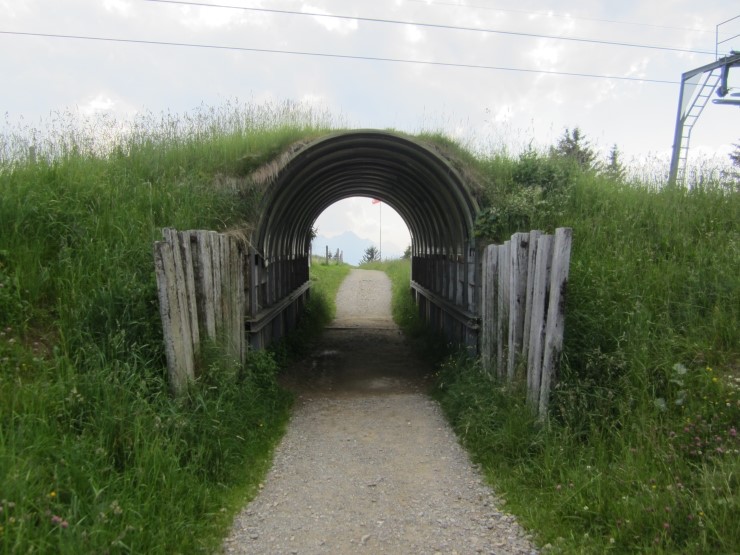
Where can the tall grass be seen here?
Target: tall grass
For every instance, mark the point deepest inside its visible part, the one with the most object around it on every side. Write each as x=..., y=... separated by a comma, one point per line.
x=640, y=451
x=95, y=456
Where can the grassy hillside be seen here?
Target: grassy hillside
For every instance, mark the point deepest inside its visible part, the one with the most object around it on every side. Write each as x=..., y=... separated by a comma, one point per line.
x=95, y=456
x=641, y=450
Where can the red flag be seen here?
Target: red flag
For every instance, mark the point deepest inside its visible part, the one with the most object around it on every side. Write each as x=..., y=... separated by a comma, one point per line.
x=376, y=201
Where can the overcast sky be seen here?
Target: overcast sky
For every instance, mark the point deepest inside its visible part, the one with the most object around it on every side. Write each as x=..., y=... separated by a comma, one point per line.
x=489, y=108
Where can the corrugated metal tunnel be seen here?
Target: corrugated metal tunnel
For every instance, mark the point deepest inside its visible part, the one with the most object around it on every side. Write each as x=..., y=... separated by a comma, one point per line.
x=424, y=185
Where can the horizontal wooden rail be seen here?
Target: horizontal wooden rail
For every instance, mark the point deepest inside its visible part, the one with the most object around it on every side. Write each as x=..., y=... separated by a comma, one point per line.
x=265, y=316
x=468, y=319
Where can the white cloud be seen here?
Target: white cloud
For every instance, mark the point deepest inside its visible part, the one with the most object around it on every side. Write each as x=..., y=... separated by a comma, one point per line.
x=413, y=34
x=12, y=10
x=206, y=19
x=119, y=7
x=546, y=54
x=340, y=26
x=97, y=104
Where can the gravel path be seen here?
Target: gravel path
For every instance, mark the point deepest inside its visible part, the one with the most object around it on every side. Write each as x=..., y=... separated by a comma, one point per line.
x=368, y=463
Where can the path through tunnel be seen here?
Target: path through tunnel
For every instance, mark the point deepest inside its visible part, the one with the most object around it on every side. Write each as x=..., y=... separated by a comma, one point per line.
x=419, y=180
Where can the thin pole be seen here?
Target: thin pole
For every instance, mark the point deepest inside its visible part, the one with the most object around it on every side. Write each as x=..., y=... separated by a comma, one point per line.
x=380, y=222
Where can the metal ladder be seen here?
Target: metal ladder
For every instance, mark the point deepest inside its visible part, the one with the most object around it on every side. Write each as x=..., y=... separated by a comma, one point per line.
x=698, y=103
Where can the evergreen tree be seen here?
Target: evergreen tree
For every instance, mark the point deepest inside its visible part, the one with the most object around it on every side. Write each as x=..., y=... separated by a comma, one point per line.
x=614, y=168
x=371, y=254
x=574, y=146
x=735, y=155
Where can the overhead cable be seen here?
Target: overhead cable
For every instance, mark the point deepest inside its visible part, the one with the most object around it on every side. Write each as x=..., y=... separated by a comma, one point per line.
x=438, y=26
x=336, y=56
x=550, y=13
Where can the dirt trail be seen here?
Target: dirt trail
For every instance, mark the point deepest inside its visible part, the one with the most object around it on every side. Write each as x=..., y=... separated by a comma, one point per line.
x=368, y=463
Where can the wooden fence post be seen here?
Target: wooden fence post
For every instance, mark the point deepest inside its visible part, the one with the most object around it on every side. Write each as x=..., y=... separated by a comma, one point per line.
x=517, y=298
x=534, y=235
x=540, y=289
x=174, y=312
x=489, y=278
x=502, y=320
x=555, y=312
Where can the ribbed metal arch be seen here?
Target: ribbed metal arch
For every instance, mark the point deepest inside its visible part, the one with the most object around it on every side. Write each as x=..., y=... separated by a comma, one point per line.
x=424, y=188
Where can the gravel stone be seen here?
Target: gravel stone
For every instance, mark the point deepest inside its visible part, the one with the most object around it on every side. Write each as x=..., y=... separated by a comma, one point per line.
x=368, y=463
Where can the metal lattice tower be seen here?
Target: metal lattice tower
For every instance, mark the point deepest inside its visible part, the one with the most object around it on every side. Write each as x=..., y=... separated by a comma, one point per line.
x=697, y=87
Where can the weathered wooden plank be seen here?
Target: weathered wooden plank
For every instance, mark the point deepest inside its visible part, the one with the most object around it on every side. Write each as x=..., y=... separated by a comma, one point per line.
x=225, y=291
x=188, y=355
x=534, y=235
x=241, y=302
x=517, y=298
x=502, y=321
x=485, y=314
x=216, y=281
x=181, y=363
x=237, y=323
x=203, y=283
x=489, y=277
x=164, y=267
x=555, y=312
x=188, y=278
x=540, y=291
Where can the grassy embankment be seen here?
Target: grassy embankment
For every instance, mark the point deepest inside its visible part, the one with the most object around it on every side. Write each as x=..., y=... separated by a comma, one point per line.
x=95, y=455
x=640, y=452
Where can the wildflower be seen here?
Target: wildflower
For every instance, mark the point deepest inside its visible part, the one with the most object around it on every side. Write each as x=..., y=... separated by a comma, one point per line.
x=53, y=494
x=666, y=526
x=116, y=508
x=612, y=540
x=585, y=507
x=733, y=432
x=558, y=487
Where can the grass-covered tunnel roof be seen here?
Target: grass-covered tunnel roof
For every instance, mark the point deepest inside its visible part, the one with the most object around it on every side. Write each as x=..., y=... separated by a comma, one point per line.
x=436, y=201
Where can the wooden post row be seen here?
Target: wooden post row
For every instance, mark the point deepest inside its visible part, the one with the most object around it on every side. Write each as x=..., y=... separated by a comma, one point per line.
x=200, y=281
x=522, y=308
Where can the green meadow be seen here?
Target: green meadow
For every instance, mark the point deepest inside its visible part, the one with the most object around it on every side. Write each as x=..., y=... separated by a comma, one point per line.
x=638, y=454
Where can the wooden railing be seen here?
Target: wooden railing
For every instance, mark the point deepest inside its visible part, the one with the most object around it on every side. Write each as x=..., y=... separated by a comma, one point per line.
x=523, y=290
x=214, y=287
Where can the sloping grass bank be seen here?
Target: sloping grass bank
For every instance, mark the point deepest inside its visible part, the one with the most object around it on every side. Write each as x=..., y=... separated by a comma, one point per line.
x=95, y=456
x=640, y=452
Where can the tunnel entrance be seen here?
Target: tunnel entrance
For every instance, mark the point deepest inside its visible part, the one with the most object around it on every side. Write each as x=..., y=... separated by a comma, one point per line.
x=425, y=184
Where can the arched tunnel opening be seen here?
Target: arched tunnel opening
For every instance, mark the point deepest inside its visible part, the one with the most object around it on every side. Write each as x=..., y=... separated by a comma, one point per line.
x=423, y=184
x=357, y=227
